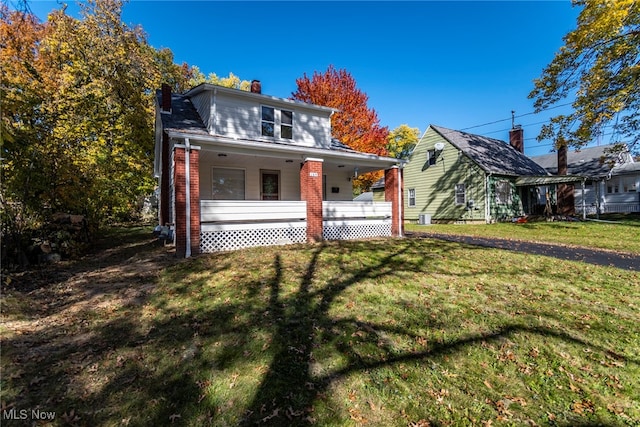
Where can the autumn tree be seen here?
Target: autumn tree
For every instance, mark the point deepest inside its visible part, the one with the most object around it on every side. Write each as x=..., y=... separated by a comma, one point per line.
x=355, y=124
x=598, y=69
x=401, y=141
x=78, y=111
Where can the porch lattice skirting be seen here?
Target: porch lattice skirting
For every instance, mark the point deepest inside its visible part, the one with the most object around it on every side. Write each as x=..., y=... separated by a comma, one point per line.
x=349, y=230
x=230, y=239
x=231, y=225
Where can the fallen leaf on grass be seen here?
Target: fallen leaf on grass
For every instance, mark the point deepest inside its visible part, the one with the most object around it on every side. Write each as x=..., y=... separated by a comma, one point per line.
x=582, y=406
x=174, y=417
x=488, y=384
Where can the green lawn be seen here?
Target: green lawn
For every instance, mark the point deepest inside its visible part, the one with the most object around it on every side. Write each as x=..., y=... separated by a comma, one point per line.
x=396, y=332
x=623, y=235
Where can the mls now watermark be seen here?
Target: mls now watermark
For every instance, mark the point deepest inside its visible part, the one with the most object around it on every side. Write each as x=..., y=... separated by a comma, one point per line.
x=28, y=414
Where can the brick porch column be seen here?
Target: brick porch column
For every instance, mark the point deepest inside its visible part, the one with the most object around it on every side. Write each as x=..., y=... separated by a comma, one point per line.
x=164, y=181
x=311, y=192
x=180, y=183
x=393, y=192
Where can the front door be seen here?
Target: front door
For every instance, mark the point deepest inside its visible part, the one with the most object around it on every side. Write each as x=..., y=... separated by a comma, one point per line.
x=269, y=185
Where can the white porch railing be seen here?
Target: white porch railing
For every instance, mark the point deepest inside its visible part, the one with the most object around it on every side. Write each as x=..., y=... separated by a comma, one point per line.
x=355, y=220
x=236, y=224
x=610, y=208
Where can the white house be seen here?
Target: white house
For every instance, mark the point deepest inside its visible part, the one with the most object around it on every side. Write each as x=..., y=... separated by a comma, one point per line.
x=612, y=178
x=261, y=171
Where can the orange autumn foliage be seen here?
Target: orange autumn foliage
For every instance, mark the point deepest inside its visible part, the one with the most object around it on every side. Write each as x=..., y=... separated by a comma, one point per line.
x=355, y=124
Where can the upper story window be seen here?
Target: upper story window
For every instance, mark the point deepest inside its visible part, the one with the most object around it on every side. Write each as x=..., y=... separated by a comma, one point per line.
x=273, y=119
x=286, y=124
x=432, y=157
x=268, y=121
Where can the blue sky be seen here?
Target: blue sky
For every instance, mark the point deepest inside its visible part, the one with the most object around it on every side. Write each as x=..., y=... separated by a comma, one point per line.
x=455, y=64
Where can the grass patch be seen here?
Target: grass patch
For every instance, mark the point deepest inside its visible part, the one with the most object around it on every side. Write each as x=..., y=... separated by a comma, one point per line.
x=621, y=236
x=382, y=332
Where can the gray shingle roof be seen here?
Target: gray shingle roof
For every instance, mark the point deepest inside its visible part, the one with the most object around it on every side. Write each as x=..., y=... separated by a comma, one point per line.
x=492, y=155
x=184, y=116
x=589, y=162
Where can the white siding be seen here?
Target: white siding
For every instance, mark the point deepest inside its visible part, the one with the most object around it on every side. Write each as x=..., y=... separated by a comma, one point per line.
x=238, y=117
x=202, y=103
x=289, y=174
x=341, y=181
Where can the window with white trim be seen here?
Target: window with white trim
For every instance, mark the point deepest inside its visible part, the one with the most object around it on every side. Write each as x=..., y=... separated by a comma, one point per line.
x=286, y=124
x=276, y=123
x=412, y=197
x=503, y=192
x=268, y=121
x=228, y=184
x=461, y=194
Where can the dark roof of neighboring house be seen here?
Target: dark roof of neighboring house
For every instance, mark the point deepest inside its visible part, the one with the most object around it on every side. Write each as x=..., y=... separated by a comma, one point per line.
x=492, y=155
x=627, y=168
x=589, y=162
x=378, y=184
x=364, y=197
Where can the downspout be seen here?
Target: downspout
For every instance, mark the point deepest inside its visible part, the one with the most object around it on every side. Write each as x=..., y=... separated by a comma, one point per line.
x=487, y=200
x=584, y=203
x=187, y=176
x=400, y=204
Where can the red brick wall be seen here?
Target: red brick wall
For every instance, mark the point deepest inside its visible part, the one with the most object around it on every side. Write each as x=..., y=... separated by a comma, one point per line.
x=311, y=192
x=391, y=193
x=194, y=175
x=181, y=201
x=164, y=181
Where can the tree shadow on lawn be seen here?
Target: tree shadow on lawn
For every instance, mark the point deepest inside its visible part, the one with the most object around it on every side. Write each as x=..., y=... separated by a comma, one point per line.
x=289, y=389
x=127, y=366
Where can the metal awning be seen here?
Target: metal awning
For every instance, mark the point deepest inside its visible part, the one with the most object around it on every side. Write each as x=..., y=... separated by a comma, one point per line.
x=532, y=181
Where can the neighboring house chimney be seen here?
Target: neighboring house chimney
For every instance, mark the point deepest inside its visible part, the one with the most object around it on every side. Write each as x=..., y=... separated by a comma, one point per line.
x=562, y=160
x=516, y=138
x=565, y=196
x=166, y=98
x=256, y=86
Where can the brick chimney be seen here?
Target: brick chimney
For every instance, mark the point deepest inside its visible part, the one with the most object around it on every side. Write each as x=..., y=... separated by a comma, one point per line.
x=256, y=86
x=516, y=138
x=166, y=98
x=565, y=196
x=562, y=160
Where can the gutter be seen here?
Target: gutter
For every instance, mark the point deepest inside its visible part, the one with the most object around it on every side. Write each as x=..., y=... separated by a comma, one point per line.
x=240, y=146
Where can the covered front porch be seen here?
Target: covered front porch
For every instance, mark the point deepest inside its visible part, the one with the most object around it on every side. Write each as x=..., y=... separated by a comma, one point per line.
x=247, y=193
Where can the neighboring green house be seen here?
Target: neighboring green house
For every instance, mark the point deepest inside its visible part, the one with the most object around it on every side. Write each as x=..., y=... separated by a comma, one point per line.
x=458, y=176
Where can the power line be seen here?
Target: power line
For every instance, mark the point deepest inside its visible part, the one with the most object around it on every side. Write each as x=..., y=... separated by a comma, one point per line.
x=516, y=117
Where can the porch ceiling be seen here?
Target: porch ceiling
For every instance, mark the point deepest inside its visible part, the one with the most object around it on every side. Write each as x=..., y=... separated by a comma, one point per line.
x=333, y=159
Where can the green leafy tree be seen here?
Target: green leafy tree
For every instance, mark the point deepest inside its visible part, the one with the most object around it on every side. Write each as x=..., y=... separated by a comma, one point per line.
x=78, y=111
x=598, y=69
x=402, y=140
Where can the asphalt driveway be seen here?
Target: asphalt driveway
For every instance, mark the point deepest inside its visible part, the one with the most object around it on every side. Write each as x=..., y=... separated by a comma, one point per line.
x=624, y=261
